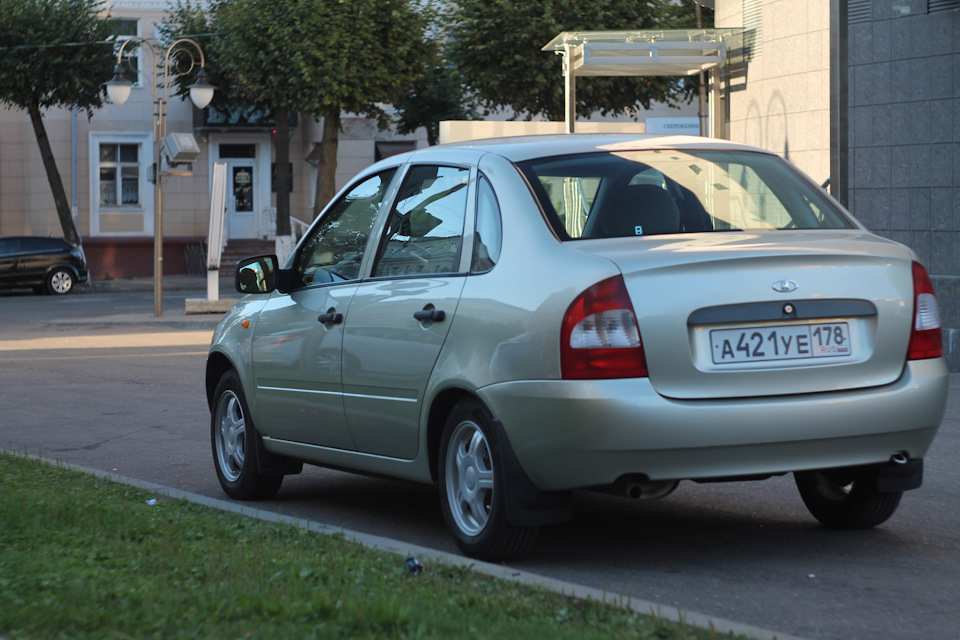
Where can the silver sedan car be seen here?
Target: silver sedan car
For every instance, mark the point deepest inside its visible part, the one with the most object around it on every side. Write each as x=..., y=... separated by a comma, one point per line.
x=515, y=319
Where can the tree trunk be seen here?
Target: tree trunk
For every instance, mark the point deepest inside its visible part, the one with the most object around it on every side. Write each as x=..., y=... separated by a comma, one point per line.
x=327, y=167
x=281, y=145
x=70, y=233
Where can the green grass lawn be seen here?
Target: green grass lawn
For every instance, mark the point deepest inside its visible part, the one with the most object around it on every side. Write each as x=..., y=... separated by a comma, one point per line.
x=84, y=557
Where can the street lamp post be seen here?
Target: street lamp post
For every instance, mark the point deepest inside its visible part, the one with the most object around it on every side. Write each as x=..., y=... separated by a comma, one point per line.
x=201, y=93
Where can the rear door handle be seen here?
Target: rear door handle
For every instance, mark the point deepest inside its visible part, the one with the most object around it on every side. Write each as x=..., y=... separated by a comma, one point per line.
x=435, y=315
x=331, y=317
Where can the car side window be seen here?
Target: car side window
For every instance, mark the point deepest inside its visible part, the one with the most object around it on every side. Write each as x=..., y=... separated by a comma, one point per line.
x=37, y=245
x=486, y=243
x=424, y=232
x=9, y=246
x=334, y=249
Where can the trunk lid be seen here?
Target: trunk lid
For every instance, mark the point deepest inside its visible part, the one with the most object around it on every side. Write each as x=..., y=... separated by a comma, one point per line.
x=744, y=314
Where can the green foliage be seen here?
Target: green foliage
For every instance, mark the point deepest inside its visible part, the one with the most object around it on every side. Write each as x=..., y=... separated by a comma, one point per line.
x=188, y=19
x=318, y=57
x=53, y=53
x=311, y=56
x=82, y=557
x=437, y=95
x=496, y=46
x=440, y=92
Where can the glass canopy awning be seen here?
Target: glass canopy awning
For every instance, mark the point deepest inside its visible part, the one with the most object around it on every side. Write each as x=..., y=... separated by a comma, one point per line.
x=664, y=52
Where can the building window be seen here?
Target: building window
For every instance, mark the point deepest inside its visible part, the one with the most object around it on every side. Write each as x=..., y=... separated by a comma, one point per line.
x=119, y=174
x=120, y=183
x=123, y=30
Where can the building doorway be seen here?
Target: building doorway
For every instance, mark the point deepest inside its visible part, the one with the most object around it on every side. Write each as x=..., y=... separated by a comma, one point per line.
x=244, y=190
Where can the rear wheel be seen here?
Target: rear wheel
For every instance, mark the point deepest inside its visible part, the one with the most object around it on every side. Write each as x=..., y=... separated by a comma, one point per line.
x=846, y=498
x=233, y=437
x=472, y=488
x=60, y=281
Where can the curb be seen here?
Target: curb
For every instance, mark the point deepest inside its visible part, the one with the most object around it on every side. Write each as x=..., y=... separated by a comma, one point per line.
x=709, y=623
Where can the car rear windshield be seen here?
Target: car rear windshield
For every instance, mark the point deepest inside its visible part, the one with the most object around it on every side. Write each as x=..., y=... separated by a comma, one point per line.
x=634, y=193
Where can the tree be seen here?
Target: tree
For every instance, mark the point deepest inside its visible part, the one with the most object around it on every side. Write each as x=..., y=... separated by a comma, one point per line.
x=438, y=95
x=319, y=57
x=440, y=92
x=195, y=21
x=54, y=53
x=496, y=45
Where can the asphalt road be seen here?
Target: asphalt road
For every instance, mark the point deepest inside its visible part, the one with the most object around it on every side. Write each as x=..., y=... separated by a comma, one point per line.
x=129, y=398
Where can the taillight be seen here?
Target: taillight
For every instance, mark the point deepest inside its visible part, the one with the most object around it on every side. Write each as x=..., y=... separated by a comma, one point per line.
x=925, y=336
x=600, y=337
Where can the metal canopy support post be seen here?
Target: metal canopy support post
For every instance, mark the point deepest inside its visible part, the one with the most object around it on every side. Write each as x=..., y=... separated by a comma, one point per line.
x=569, y=89
x=715, y=127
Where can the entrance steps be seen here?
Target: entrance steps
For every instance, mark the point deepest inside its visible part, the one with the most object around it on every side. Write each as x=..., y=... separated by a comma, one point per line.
x=239, y=249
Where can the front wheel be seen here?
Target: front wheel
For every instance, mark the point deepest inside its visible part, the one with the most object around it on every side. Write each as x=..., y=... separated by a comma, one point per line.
x=60, y=281
x=846, y=498
x=233, y=437
x=472, y=488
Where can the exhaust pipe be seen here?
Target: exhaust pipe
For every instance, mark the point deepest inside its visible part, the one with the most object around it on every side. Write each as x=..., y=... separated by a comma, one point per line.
x=899, y=458
x=638, y=487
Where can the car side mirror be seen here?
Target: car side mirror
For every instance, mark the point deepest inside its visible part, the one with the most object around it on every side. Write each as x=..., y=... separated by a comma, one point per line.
x=257, y=274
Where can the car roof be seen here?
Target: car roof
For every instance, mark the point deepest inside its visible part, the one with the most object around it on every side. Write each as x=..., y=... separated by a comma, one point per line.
x=520, y=148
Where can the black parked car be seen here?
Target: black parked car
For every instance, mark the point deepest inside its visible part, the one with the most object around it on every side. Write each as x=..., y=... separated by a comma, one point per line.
x=45, y=264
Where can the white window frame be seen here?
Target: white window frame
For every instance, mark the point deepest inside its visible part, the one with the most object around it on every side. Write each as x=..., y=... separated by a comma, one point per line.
x=144, y=208
x=119, y=164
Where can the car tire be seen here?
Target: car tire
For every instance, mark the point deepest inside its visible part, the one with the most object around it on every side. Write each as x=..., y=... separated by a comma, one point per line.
x=234, y=437
x=845, y=498
x=60, y=281
x=472, y=487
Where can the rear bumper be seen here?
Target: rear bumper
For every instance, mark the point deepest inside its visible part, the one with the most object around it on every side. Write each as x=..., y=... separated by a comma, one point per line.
x=572, y=434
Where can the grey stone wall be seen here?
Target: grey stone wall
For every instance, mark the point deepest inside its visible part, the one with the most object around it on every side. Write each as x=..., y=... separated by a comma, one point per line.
x=904, y=137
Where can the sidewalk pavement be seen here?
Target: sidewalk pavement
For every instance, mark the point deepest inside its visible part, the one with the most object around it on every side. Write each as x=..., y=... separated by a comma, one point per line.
x=177, y=283
x=174, y=315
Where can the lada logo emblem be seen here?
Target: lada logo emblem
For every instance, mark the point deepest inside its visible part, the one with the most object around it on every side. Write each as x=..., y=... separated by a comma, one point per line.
x=784, y=286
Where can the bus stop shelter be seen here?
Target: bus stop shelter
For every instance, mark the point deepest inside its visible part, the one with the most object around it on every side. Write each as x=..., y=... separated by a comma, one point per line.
x=665, y=52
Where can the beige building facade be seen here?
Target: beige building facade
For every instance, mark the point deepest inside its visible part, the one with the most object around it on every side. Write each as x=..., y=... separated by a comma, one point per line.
x=778, y=93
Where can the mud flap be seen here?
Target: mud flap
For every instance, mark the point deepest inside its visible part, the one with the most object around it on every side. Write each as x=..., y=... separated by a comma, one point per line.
x=900, y=477
x=526, y=505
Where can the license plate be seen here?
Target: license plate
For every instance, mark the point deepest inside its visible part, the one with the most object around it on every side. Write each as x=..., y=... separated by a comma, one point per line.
x=781, y=342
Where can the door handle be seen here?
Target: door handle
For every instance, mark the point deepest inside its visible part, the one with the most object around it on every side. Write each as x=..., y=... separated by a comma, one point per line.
x=331, y=317
x=435, y=315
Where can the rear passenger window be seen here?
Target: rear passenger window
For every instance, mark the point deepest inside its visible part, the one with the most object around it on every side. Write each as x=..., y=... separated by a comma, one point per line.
x=36, y=245
x=486, y=244
x=424, y=232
